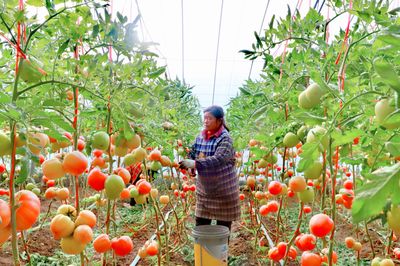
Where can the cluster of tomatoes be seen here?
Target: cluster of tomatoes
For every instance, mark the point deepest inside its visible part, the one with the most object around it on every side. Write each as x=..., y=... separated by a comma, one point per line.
x=320, y=226
x=74, y=231
x=27, y=213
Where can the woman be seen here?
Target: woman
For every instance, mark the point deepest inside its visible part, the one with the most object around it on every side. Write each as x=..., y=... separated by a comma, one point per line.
x=213, y=156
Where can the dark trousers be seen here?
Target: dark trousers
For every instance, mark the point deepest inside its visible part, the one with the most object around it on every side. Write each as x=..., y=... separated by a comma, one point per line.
x=205, y=221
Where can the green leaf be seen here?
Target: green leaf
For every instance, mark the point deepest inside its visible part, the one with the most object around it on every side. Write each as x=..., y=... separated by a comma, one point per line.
x=62, y=48
x=316, y=76
x=23, y=174
x=393, y=148
x=4, y=98
x=389, y=38
x=128, y=131
x=244, y=91
x=95, y=31
x=260, y=111
x=348, y=137
x=308, y=117
x=51, y=102
x=373, y=195
x=310, y=150
x=62, y=124
x=157, y=73
x=36, y=3
x=304, y=164
x=388, y=74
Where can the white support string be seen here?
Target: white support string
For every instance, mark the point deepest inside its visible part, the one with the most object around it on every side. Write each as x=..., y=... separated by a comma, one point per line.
x=259, y=33
x=183, y=44
x=216, y=57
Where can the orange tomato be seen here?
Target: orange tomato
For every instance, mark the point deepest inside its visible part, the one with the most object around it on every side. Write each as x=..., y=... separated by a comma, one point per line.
x=28, y=210
x=83, y=234
x=75, y=163
x=102, y=243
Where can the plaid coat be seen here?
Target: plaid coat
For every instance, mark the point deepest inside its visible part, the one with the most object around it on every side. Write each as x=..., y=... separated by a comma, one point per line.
x=217, y=187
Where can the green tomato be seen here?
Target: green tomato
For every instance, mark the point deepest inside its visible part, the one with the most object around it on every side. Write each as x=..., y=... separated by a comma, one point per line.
x=318, y=134
x=114, y=186
x=304, y=102
x=301, y=132
x=100, y=140
x=383, y=109
x=129, y=159
x=314, y=171
x=262, y=163
x=5, y=145
x=393, y=218
x=290, y=140
x=376, y=261
x=139, y=154
x=30, y=186
x=155, y=166
x=141, y=199
x=134, y=192
x=36, y=191
x=29, y=72
x=306, y=196
x=313, y=94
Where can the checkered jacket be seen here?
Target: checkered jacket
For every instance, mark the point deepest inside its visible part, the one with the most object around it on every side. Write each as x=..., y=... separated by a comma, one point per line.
x=217, y=187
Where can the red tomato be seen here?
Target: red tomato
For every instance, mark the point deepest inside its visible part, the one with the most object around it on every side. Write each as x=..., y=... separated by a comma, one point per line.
x=263, y=210
x=122, y=246
x=97, y=153
x=4, y=192
x=349, y=242
x=348, y=195
x=50, y=183
x=306, y=242
x=41, y=160
x=274, y=254
x=2, y=168
x=282, y=247
x=348, y=184
x=321, y=225
x=325, y=253
x=5, y=214
x=81, y=145
x=241, y=196
x=307, y=209
x=310, y=259
x=152, y=248
x=144, y=187
x=275, y=188
x=96, y=179
x=155, y=155
x=272, y=206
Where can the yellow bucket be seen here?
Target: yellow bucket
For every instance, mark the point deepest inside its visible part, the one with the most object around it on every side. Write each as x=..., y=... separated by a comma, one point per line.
x=210, y=245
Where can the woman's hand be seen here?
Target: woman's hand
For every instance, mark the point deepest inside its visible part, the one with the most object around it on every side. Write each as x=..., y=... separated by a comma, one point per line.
x=187, y=164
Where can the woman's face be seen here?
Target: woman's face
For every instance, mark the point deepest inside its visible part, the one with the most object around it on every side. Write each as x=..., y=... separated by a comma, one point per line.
x=210, y=122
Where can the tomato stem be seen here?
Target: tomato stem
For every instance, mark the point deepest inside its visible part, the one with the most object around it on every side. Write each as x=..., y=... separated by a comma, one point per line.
x=296, y=233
